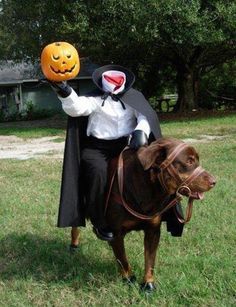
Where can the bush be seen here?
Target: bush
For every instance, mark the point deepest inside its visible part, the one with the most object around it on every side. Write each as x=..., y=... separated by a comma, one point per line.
x=218, y=88
x=30, y=112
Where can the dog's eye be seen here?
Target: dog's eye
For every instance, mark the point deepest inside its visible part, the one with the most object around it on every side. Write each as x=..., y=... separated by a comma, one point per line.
x=190, y=160
x=180, y=166
x=184, y=168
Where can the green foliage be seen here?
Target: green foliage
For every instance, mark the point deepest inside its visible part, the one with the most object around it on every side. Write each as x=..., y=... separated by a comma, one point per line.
x=30, y=25
x=155, y=38
x=194, y=22
x=218, y=84
x=105, y=28
x=30, y=112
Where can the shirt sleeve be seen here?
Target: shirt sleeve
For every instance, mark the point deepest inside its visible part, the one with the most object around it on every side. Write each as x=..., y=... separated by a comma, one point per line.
x=75, y=105
x=142, y=123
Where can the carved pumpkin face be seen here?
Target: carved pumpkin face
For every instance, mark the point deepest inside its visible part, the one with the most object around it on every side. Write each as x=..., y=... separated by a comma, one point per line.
x=60, y=61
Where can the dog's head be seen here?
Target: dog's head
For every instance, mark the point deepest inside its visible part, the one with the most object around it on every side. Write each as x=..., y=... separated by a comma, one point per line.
x=185, y=162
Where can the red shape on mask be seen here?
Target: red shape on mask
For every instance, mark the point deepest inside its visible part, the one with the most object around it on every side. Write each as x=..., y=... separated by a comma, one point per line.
x=116, y=80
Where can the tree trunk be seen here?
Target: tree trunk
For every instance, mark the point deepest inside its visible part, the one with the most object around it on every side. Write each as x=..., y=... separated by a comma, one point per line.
x=196, y=86
x=186, y=91
x=150, y=83
x=196, y=93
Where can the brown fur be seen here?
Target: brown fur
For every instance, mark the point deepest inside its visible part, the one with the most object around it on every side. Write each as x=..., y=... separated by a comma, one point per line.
x=145, y=195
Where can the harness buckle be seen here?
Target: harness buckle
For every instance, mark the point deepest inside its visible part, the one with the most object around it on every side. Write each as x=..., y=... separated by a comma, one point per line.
x=184, y=189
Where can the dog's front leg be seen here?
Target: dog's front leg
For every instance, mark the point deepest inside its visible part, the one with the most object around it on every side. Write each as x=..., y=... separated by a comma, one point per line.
x=119, y=251
x=151, y=241
x=75, y=237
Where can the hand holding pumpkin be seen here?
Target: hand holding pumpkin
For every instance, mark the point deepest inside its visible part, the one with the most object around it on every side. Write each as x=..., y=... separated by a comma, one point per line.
x=62, y=89
x=60, y=62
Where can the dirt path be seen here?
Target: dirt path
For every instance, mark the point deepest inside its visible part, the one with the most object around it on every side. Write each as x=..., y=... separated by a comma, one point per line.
x=12, y=147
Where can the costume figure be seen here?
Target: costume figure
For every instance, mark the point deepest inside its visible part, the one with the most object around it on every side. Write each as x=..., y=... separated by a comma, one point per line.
x=99, y=126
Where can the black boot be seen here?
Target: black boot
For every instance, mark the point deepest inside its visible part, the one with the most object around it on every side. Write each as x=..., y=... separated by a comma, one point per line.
x=173, y=225
x=104, y=234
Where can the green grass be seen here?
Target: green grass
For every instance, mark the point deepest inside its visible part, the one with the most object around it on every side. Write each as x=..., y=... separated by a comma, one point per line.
x=31, y=132
x=36, y=268
x=193, y=128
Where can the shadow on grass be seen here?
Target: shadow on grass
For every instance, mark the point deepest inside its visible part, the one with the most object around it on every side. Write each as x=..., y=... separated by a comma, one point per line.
x=49, y=260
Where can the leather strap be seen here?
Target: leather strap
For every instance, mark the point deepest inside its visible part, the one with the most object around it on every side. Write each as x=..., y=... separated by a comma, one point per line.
x=172, y=155
x=120, y=175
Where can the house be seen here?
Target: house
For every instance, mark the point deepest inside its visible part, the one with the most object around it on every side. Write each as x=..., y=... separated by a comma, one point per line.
x=21, y=85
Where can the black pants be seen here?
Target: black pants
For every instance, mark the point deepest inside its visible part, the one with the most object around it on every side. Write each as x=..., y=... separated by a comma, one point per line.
x=94, y=163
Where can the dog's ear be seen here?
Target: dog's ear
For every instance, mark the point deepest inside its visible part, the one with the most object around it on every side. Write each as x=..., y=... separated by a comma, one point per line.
x=152, y=155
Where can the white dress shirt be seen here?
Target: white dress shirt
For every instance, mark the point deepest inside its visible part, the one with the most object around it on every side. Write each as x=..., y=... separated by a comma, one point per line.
x=107, y=122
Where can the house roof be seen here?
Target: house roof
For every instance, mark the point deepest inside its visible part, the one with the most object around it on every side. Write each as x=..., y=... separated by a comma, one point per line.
x=17, y=73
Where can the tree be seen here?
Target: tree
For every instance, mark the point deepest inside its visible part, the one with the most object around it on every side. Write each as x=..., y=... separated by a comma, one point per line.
x=192, y=36
x=181, y=37
x=195, y=35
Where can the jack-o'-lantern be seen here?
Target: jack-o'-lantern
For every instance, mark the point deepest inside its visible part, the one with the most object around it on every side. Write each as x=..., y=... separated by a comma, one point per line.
x=60, y=61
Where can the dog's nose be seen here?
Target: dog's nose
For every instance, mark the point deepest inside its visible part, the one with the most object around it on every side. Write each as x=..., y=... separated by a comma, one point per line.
x=212, y=182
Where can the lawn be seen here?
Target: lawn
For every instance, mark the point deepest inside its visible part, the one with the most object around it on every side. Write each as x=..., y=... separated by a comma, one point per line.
x=36, y=268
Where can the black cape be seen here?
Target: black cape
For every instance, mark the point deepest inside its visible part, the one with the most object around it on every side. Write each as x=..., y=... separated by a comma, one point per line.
x=71, y=208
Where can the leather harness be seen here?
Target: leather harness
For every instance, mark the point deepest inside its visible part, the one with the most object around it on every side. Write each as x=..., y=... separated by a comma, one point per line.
x=166, y=165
